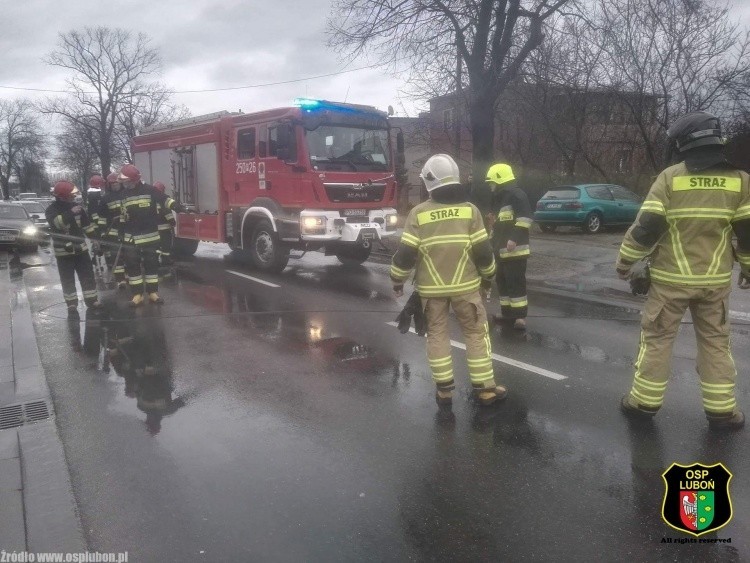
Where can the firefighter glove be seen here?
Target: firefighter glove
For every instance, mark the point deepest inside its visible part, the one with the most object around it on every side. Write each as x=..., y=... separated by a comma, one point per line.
x=412, y=310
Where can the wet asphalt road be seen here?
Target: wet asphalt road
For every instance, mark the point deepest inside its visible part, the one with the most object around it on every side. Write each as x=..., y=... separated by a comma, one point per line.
x=287, y=421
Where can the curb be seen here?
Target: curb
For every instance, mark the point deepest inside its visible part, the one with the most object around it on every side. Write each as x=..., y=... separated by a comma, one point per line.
x=42, y=514
x=634, y=306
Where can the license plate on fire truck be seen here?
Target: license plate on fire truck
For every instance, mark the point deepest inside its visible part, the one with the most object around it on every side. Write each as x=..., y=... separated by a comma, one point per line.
x=355, y=212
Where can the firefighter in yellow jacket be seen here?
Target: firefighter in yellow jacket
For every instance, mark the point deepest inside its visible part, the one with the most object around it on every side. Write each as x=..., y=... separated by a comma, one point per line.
x=685, y=225
x=445, y=239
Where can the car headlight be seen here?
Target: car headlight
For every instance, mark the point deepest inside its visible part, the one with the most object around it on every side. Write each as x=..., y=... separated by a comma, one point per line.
x=30, y=231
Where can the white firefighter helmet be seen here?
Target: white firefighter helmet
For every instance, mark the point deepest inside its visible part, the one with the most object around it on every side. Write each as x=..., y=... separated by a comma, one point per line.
x=440, y=170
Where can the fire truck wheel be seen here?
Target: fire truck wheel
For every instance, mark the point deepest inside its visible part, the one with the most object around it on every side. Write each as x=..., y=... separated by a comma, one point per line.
x=184, y=246
x=353, y=255
x=266, y=252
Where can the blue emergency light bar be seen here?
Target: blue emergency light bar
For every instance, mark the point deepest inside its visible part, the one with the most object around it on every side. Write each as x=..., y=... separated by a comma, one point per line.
x=306, y=103
x=309, y=104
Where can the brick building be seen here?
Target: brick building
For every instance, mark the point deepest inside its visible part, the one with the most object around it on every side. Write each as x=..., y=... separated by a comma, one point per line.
x=555, y=136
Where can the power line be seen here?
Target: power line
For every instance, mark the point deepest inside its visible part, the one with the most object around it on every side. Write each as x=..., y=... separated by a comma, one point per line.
x=279, y=83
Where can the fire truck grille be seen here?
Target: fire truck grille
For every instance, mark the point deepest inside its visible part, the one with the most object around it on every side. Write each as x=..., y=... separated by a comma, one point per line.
x=358, y=219
x=345, y=193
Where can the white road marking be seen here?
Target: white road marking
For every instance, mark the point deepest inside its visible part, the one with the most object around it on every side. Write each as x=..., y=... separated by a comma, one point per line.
x=739, y=315
x=505, y=360
x=251, y=278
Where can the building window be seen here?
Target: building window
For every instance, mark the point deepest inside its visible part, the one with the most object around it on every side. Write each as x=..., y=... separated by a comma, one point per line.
x=448, y=118
x=246, y=143
x=624, y=162
x=504, y=127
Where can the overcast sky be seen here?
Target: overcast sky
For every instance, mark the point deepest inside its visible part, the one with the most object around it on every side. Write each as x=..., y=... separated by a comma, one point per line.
x=208, y=44
x=203, y=44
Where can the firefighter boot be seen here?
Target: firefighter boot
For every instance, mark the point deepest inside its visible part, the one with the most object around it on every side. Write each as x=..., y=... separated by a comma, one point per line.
x=492, y=395
x=122, y=285
x=519, y=324
x=154, y=298
x=444, y=397
x=727, y=422
x=137, y=300
x=633, y=412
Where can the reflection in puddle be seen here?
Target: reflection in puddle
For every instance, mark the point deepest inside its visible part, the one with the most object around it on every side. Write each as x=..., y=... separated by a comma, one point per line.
x=133, y=343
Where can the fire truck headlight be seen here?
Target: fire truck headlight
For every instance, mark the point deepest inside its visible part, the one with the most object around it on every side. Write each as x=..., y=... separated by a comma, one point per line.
x=314, y=225
x=392, y=220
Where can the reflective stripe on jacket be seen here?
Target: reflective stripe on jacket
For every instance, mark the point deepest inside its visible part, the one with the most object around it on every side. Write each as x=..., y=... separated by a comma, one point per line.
x=143, y=209
x=512, y=221
x=685, y=224
x=448, y=245
x=67, y=229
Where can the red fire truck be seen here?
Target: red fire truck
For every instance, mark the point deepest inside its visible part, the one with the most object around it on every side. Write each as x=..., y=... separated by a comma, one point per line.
x=316, y=176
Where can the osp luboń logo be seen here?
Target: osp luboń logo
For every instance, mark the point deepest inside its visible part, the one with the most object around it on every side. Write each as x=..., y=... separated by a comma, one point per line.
x=696, y=499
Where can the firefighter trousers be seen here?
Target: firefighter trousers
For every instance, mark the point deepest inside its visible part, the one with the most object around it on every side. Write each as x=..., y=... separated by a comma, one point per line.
x=472, y=318
x=511, y=285
x=165, y=242
x=112, y=246
x=68, y=267
x=142, y=267
x=661, y=318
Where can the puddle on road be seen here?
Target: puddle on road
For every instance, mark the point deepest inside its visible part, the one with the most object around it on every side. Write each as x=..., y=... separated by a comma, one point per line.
x=131, y=345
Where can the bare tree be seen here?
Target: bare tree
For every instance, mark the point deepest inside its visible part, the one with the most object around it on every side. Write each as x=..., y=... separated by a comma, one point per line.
x=76, y=153
x=492, y=38
x=110, y=68
x=149, y=105
x=20, y=138
x=676, y=56
x=566, y=92
x=32, y=175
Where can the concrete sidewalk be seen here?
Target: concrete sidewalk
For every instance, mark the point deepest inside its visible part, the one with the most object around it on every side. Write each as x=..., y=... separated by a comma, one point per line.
x=574, y=265
x=37, y=508
x=585, y=266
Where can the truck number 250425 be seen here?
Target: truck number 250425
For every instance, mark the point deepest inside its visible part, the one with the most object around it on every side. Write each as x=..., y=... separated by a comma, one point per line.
x=246, y=168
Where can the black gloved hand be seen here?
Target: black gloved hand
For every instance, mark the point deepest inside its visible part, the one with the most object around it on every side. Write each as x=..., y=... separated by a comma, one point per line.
x=486, y=284
x=420, y=319
x=412, y=309
x=69, y=247
x=404, y=321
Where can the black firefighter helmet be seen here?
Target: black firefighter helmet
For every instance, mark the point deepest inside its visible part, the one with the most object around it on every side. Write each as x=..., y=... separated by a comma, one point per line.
x=696, y=129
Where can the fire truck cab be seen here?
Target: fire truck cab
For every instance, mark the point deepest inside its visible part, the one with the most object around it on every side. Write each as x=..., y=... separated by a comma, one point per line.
x=315, y=176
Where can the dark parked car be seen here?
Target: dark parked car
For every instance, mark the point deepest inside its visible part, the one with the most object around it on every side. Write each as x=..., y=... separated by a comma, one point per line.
x=17, y=228
x=36, y=209
x=589, y=206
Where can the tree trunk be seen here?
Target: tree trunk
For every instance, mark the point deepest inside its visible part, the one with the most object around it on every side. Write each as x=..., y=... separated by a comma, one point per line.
x=5, y=185
x=106, y=162
x=482, y=116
